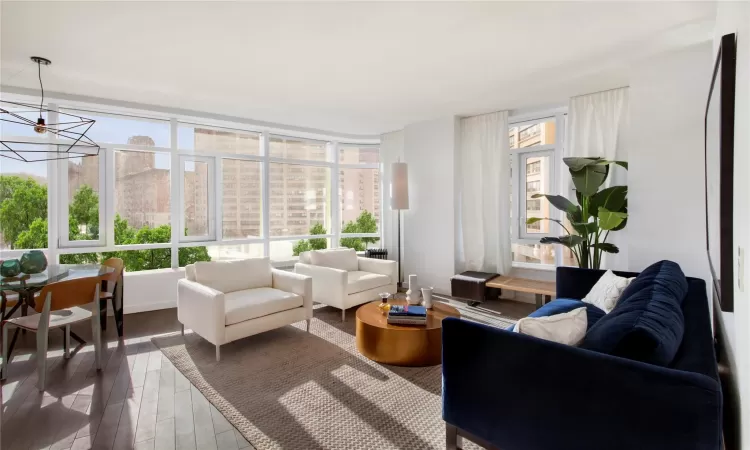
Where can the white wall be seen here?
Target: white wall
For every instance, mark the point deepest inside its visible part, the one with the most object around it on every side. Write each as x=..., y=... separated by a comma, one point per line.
x=429, y=227
x=734, y=17
x=150, y=290
x=666, y=171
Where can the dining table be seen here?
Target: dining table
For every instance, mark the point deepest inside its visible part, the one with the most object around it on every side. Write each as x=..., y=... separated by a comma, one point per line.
x=28, y=285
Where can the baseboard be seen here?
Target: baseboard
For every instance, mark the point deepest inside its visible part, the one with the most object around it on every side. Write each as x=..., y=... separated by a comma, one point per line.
x=132, y=309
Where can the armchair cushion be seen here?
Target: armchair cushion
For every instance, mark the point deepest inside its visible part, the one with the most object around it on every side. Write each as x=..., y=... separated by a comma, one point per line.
x=339, y=258
x=253, y=303
x=232, y=276
x=358, y=281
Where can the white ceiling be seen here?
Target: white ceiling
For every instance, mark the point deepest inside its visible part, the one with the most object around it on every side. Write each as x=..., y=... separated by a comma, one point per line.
x=356, y=68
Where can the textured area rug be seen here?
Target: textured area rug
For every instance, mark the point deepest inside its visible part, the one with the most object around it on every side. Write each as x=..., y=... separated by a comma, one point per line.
x=288, y=389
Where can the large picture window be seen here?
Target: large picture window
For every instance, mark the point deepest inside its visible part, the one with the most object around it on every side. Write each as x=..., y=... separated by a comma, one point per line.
x=23, y=205
x=300, y=200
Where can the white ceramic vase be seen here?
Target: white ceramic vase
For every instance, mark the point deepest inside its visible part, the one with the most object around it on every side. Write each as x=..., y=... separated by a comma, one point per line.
x=427, y=297
x=413, y=295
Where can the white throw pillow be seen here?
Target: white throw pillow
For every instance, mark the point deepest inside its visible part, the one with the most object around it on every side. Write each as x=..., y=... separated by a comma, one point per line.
x=237, y=275
x=339, y=258
x=568, y=328
x=607, y=291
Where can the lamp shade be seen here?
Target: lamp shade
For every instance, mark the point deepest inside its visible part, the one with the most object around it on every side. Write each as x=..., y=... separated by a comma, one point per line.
x=399, y=186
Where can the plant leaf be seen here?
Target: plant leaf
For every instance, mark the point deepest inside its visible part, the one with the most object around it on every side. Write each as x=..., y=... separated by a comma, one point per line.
x=623, y=164
x=568, y=241
x=575, y=163
x=531, y=220
x=612, y=199
x=558, y=201
x=588, y=180
x=585, y=228
x=609, y=220
x=606, y=247
x=624, y=222
x=575, y=216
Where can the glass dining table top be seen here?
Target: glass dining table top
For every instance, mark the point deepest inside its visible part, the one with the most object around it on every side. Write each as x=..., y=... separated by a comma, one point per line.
x=53, y=274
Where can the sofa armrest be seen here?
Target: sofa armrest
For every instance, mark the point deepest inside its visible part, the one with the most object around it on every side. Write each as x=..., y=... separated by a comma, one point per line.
x=574, y=282
x=295, y=283
x=328, y=285
x=520, y=392
x=379, y=266
x=201, y=309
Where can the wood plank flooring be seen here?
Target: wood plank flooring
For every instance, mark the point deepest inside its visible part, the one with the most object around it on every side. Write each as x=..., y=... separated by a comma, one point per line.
x=138, y=401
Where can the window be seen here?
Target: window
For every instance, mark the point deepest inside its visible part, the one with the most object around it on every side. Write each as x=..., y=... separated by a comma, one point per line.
x=142, y=197
x=358, y=154
x=286, y=253
x=282, y=147
x=83, y=193
x=23, y=205
x=197, y=189
x=217, y=140
x=359, y=198
x=241, y=199
x=304, y=199
x=535, y=147
x=122, y=129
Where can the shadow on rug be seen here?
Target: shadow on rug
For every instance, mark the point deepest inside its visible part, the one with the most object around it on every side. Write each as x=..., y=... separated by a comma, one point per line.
x=288, y=389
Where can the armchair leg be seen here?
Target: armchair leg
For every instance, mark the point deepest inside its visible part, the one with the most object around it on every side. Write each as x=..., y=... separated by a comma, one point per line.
x=308, y=324
x=66, y=342
x=4, y=367
x=218, y=353
x=343, y=315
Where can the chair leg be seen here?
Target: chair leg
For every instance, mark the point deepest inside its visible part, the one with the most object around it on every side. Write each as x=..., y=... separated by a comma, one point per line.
x=218, y=353
x=66, y=342
x=4, y=367
x=308, y=324
x=343, y=315
x=96, y=333
x=182, y=329
x=41, y=357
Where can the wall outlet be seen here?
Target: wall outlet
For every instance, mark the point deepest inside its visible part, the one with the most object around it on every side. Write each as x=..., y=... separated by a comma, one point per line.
x=741, y=269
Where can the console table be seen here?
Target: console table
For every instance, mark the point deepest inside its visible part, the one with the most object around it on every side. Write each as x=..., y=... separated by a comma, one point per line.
x=544, y=290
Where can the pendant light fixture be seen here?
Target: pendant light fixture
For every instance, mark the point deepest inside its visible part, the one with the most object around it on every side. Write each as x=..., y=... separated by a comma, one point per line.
x=28, y=140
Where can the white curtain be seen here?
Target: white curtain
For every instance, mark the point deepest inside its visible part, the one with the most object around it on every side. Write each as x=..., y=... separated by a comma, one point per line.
x=597, y=126
x=484, y=222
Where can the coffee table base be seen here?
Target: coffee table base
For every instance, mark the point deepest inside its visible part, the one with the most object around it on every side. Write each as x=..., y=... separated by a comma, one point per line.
x=400, y=347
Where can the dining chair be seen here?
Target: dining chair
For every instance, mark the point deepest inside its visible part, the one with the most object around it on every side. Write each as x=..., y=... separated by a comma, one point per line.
x=112, y=290
x=60, y=309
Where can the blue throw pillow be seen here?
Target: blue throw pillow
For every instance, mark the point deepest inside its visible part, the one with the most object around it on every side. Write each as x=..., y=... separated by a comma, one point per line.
x=563, y=305
x=647, y=324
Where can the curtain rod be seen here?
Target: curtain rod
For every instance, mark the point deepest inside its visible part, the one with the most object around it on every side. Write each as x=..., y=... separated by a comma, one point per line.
x=599, y=92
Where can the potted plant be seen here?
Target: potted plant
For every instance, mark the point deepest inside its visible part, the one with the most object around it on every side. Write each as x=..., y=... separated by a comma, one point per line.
x=597, y=214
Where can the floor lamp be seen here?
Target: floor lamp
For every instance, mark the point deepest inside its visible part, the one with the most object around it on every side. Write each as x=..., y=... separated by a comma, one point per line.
x=399, y=202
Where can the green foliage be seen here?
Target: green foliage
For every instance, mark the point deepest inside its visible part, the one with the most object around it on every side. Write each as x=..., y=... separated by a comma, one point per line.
x=304, y=245
x=23, y=214
x=597, y=213
x=365, y=223
x=23, y=201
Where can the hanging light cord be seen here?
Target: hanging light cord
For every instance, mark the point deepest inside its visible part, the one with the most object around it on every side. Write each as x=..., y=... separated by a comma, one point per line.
x=41, y=104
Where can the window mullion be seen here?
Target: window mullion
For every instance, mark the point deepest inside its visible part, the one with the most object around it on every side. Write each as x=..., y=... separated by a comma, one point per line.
x=335, y=203
x=175, y=216
x=218, y=191
x=265, y=190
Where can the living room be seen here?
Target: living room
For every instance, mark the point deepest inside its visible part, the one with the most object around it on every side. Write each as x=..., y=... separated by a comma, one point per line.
x=374, y=225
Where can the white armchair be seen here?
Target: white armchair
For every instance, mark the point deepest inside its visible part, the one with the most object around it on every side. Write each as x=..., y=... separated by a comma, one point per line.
x=223, y=301
x=342, y=279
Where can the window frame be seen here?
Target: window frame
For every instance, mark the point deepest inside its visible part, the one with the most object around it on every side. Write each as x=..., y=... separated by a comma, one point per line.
x=555, y=152
x=210, y=236
x=63, y=187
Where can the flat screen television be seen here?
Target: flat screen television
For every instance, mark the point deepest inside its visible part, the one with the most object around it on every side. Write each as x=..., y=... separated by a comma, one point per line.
x=719, y=153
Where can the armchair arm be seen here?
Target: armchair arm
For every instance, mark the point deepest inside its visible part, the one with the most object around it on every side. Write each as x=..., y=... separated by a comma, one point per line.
x=297, y=284
x=201, y=309
x=380, y=266
x=537, y=394
x=328, y=285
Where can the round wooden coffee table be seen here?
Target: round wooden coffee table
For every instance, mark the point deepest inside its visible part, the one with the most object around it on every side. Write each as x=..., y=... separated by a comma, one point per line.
x=401, y=345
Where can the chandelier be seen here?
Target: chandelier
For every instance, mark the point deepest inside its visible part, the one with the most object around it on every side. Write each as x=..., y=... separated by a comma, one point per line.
x=32, y=140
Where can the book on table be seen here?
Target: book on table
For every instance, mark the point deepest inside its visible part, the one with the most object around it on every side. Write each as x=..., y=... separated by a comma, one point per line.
x=407, y=321
x=407, y=311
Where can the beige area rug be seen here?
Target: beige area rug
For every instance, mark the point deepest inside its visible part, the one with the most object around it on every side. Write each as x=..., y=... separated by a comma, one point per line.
x=287, y=389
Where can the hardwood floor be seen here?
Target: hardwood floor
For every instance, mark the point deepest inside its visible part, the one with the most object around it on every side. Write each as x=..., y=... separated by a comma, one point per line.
x=139, y=400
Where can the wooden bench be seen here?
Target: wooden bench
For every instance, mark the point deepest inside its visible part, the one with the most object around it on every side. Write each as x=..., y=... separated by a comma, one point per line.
x=544, y=290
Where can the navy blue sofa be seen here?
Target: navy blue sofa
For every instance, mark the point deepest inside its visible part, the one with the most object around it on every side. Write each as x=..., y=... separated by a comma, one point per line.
x=510, y=391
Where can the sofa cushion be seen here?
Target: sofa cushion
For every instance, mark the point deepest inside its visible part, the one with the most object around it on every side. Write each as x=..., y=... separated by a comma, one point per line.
x=339, y=258
x=240, y=306
x=358, y=281
x=647, y=324
x=237, y=275
x=563, y=305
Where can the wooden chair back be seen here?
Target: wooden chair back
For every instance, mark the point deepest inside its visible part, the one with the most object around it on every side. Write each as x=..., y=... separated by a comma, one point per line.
x=69, y=293
x=118, y=265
